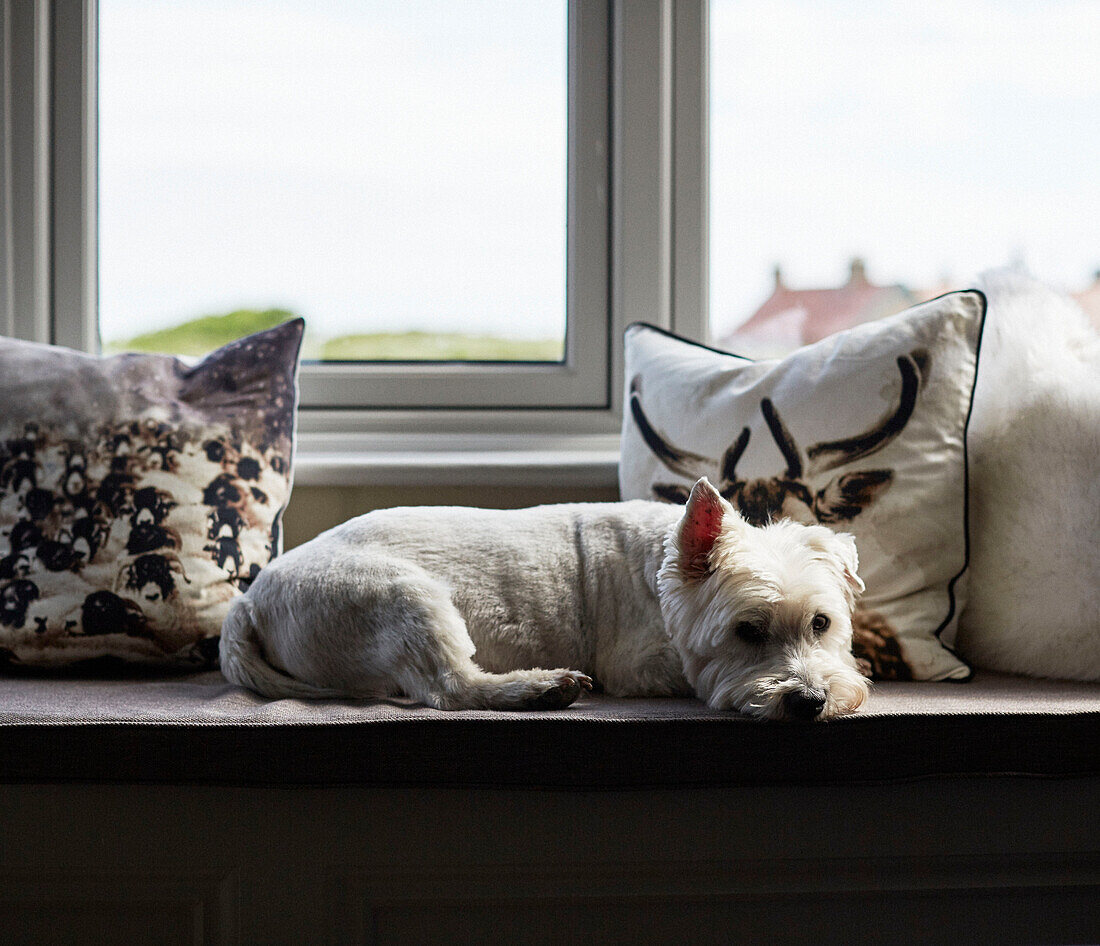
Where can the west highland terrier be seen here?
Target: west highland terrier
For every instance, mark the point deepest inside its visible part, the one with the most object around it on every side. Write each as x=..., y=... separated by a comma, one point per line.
x=645, y=598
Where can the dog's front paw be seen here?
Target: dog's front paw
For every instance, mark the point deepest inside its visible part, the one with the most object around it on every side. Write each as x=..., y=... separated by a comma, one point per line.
x=563, y=690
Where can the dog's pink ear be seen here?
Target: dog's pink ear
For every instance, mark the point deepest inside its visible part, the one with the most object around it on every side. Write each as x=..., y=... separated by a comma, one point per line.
x=699, y=528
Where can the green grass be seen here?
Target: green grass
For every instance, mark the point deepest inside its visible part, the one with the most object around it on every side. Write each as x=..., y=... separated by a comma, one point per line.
x=438, y=346
x=203, y=335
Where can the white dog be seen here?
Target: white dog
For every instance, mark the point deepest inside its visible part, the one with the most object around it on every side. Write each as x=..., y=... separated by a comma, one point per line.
x=649, y=599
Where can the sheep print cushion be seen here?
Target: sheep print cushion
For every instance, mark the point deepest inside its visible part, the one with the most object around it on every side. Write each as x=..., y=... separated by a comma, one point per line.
x=864, y=432
x=138, y=495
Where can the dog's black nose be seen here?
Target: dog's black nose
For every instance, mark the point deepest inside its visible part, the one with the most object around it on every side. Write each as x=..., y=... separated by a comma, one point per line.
x=803, y=704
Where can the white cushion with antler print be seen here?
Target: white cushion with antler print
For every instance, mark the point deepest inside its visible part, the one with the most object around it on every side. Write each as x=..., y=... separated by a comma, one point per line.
x=864, y=432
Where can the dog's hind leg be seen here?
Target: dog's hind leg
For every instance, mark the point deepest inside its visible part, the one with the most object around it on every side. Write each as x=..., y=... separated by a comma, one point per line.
x=434, y=663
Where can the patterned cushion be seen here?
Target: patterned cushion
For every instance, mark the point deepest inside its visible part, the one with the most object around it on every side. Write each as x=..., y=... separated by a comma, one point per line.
x=138, y=495
x=864, y=431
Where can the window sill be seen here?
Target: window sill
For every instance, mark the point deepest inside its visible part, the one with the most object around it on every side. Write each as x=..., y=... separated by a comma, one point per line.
x=585, y=460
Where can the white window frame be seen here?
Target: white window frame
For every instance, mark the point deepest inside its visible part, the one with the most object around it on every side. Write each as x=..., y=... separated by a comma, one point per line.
x=636, y=249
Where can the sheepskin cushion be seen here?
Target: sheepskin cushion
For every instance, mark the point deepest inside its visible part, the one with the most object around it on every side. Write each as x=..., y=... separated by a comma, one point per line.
x=138, y=495
x=1034, y=605
x=864, y=432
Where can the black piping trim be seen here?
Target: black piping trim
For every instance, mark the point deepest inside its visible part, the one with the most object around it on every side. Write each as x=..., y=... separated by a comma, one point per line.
x=686, y=341
x=966, y=481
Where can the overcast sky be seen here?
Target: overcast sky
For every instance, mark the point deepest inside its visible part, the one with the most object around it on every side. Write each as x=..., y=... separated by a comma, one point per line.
x=402, y=165
x=933, y=138
x=369, y=165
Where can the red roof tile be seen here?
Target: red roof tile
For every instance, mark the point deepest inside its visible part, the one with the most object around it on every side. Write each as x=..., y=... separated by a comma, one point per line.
x=793, y=317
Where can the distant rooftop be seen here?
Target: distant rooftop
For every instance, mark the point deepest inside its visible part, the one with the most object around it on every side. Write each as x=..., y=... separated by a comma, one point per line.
x=790, y=318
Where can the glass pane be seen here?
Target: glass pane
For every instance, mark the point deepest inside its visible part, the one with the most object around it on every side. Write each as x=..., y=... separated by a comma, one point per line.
x=393, y=170
x=882, y=153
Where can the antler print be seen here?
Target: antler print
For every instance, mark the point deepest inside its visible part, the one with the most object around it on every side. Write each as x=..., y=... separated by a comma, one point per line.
x=831, y=454
x=764, y=498
x=678, y=461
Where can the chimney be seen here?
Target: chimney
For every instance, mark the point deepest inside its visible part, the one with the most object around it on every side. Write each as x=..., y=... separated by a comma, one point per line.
x=857, y=272
x=778, y=278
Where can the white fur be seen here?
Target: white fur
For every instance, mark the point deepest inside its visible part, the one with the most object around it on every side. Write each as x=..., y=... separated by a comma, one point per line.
x=401, y=601
x=1034, y=589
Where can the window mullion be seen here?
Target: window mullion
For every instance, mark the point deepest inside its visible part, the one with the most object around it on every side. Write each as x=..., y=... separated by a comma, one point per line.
x=26, y=184
x=641, y=171
x=73, y=174
x=690, y=255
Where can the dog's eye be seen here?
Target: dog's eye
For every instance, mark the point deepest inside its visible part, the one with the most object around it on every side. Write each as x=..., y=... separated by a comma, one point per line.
x=820, y=623
x=750, y=633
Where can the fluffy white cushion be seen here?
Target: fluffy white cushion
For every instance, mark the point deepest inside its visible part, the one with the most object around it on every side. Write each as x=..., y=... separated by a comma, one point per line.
x=864, y=431
x=1034, y=605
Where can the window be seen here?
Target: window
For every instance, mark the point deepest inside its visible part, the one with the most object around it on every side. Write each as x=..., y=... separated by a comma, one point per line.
x=903, y=146
x=633, y=203
x=394, y=172
x=891, y=152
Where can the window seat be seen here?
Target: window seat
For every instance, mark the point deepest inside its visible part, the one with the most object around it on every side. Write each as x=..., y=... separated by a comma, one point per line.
x=200, y=729
x=184, y=809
